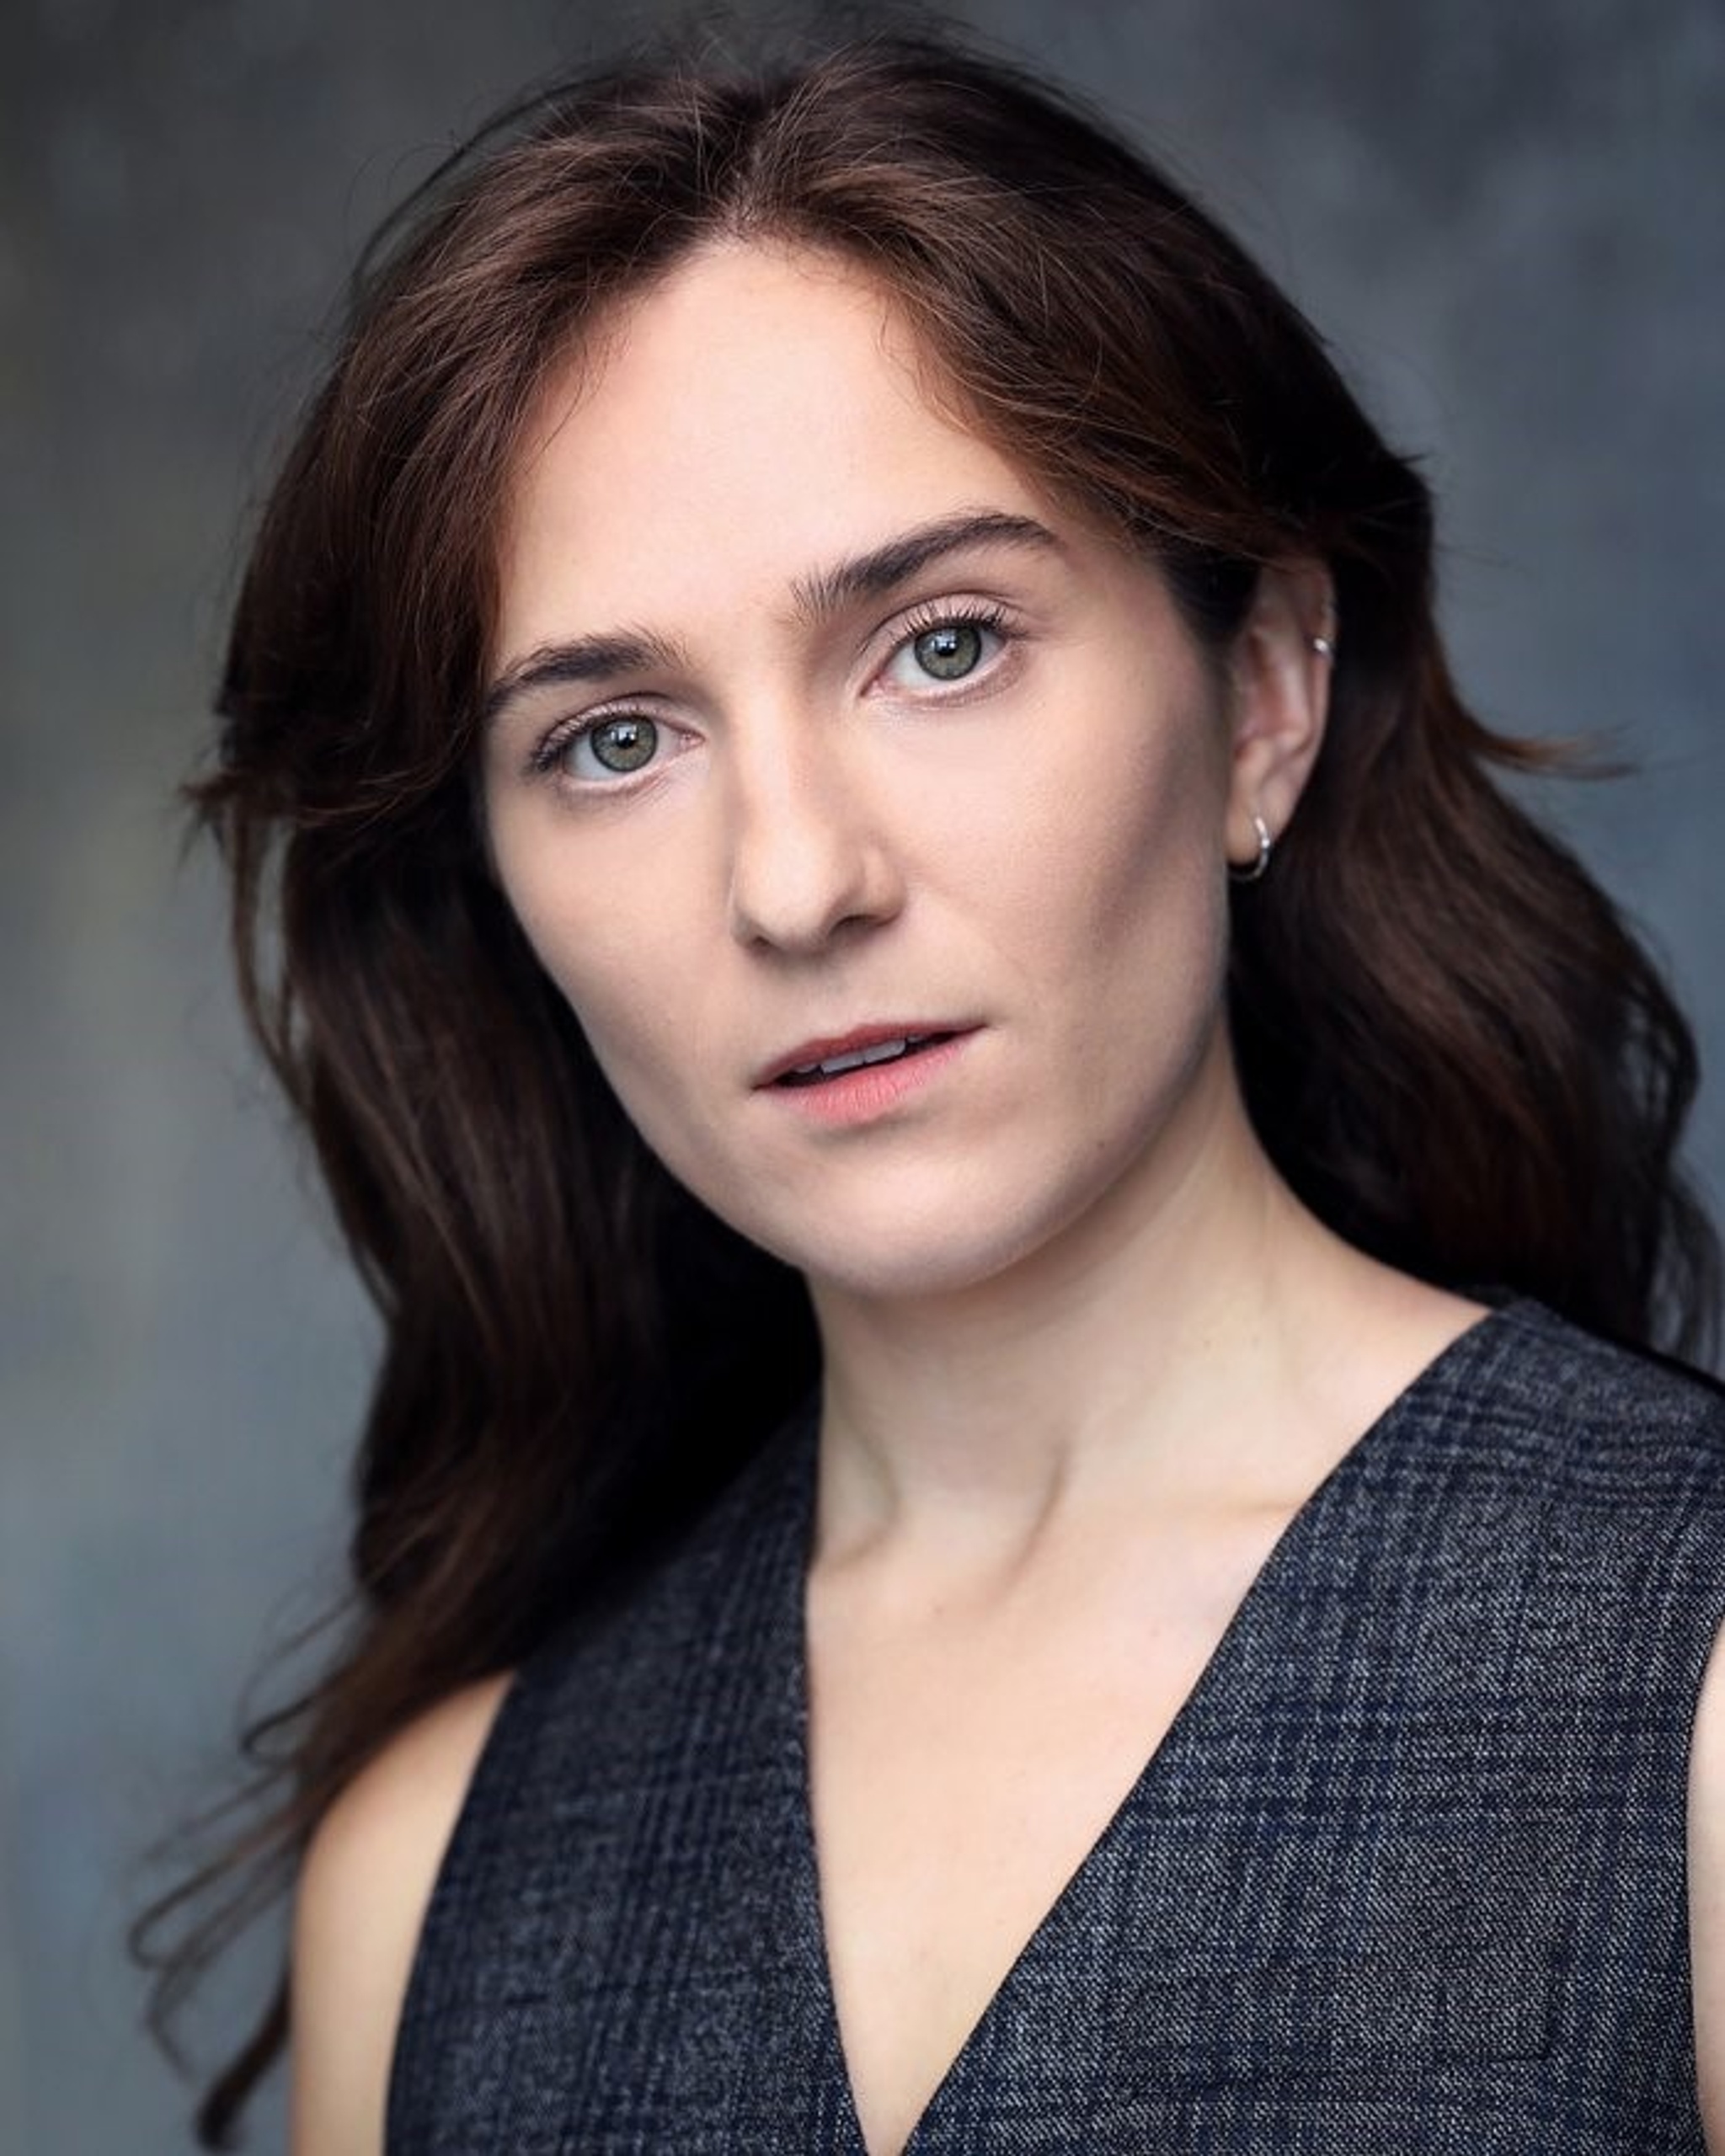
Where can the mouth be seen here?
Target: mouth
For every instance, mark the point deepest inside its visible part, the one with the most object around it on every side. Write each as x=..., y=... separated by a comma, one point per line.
x=817, y=1063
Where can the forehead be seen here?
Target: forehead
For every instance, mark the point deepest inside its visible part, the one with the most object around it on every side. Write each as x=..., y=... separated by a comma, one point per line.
x=760, y=409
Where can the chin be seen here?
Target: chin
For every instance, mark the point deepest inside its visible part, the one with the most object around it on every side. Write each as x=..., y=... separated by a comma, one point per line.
x=939, y=1247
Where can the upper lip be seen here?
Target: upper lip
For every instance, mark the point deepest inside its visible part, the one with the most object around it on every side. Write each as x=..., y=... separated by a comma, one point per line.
x=825, y=1045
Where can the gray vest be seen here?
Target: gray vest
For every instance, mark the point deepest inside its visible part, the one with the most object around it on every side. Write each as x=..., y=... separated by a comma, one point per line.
x=1405, y=1878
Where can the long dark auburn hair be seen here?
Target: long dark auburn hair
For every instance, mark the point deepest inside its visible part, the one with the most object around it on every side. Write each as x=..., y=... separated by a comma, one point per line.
x=1452, y=1048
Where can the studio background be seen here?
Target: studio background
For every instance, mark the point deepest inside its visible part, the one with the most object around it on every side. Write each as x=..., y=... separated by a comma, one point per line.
x=1510, y=222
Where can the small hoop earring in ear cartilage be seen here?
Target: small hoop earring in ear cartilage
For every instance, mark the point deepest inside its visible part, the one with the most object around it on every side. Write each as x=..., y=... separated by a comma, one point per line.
x=1255, y=868
x=1323, y=646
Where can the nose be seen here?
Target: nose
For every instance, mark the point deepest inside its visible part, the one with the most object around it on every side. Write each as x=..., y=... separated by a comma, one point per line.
x=809, y=857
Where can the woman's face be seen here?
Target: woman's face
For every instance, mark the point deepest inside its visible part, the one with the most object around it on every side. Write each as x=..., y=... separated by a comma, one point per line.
x=869, y=810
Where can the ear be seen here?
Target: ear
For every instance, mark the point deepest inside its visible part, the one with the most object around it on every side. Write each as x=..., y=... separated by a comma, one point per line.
x=1279, y=683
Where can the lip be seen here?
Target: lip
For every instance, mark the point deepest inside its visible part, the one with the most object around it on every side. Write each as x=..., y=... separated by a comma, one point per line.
x=870, y=1093
x=829, y=1045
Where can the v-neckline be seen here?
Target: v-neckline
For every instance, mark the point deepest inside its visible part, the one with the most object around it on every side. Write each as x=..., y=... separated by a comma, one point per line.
x=1250, y=1613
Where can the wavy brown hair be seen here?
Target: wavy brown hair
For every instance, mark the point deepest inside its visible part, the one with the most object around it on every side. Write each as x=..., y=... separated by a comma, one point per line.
x=1453, y=1049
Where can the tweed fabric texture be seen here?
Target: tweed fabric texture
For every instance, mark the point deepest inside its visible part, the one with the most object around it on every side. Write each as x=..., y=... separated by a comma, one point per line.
x=1406, y=1876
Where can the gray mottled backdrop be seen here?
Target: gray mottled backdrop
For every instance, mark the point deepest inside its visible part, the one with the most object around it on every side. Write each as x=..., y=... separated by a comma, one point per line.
x=1508, y=218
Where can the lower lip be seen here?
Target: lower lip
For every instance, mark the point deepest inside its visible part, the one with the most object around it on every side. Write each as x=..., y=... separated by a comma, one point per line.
x=872, y=1090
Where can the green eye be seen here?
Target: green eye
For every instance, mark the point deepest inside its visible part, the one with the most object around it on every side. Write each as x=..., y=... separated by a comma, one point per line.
x=950, y=651
x=623, y=744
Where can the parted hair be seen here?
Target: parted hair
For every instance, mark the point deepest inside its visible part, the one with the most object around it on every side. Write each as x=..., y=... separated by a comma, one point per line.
x=1452, y=1047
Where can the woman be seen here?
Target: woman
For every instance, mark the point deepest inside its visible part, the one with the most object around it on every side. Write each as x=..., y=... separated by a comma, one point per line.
x=957, y=1090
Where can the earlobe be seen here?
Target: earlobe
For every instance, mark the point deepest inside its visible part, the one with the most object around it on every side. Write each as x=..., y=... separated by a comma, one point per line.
x=1280, y=686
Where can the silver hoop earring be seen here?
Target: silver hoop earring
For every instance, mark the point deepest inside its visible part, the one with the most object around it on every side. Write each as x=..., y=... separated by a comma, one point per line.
x=1254, y=869
x=1323, y=646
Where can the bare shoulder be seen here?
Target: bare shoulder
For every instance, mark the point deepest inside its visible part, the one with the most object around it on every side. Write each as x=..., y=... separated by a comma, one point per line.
x=1707, y=1890
x=367, y=1878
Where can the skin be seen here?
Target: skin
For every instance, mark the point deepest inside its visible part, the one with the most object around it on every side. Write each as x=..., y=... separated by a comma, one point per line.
x=895, y=861
x=1080, y=1344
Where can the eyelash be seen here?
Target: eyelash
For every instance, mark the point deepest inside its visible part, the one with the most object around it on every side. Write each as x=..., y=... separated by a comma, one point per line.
x=547, y=755
x=986, y=614
x=951, y=614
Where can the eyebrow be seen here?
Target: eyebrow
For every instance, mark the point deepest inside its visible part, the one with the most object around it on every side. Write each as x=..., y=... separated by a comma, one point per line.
x=815, y=597
x=585, y=658
x=884, y=568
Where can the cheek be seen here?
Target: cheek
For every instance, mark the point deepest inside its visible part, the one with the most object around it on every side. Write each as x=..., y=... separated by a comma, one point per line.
x=1123, y=887
x=599, y=940
x=1115, y=830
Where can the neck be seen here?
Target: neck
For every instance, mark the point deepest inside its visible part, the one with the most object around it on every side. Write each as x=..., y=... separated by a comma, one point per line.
x=1198, y=1331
